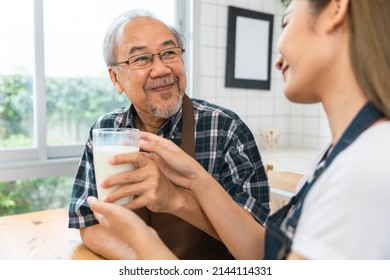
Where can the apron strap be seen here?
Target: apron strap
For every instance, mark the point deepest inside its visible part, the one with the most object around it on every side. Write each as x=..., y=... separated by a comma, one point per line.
x=188, y=127
x=124, y=119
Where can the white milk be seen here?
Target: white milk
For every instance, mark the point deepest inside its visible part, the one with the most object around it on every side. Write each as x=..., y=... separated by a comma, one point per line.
x=103, y=168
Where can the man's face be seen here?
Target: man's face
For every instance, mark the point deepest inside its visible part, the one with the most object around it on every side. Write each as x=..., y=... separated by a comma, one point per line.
x=156, y=90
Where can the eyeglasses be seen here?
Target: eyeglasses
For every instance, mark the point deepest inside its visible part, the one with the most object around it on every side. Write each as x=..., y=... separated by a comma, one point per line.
x=145, y=60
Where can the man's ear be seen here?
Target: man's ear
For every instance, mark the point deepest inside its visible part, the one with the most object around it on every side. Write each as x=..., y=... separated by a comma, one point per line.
x=339, y=11
x=114, y=80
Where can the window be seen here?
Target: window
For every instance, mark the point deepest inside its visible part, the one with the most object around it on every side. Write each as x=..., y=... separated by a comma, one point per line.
x=53, y=79
x=53, y=85
x=16, y=107
x=78, y=88
x=21, y=196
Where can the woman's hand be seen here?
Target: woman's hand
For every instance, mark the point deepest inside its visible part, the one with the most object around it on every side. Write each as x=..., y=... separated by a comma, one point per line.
x=129, y=227
x=117, y=219
x=146, y=183
x=177, y=166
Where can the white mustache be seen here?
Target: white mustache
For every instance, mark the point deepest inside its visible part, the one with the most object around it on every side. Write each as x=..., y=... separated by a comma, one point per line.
x=160, y=83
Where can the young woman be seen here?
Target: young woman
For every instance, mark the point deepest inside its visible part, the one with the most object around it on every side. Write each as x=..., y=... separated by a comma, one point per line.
x=331, y=51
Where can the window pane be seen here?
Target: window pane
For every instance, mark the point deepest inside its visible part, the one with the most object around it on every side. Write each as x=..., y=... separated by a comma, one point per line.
x=16, y=68
x=24, y=196
x=78, y=88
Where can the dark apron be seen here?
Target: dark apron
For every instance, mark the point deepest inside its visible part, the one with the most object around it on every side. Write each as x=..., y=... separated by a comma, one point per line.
x=277, y=241
x=186, y=241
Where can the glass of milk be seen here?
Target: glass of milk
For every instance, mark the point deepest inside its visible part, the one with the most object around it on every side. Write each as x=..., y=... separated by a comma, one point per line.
x=108, y=142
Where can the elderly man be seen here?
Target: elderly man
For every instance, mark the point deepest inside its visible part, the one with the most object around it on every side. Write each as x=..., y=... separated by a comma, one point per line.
x=145, y=61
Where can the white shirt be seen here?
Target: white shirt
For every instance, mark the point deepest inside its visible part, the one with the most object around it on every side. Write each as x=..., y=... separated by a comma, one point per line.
x=346, y=214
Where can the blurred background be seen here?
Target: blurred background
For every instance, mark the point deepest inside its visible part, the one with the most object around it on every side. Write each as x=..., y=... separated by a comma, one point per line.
x=54, y=84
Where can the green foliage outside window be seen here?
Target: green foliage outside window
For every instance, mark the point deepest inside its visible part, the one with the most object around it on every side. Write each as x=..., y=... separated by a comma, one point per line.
x=33, y=195
x=15, y=107
x=80, y=99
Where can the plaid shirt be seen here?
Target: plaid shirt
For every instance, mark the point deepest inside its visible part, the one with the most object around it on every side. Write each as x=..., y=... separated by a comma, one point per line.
x=224, y=146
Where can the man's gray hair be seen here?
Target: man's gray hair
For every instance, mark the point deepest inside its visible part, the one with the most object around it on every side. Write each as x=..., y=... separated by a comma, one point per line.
x=115, y=27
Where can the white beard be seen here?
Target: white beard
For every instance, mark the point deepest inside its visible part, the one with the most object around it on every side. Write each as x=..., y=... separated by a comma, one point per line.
x=166, y=111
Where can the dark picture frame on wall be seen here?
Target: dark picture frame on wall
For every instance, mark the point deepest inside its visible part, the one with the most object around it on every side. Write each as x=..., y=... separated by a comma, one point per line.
x=249, y=49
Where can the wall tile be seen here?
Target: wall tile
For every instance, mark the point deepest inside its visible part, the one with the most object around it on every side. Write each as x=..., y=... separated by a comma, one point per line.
x=296, y=127
x=310, y=141
x=208, y=14
x=298, y=124
x=208, y=89
x=209, y=2
x=281, y=107
x=296, y=109
x=208, y=36
x=255, y=5
x=208, y=61
x=296, y=140
x=266, y=122
x=266, y=106
x=225, y=3
x=241, y=3
x=310, y=126
x=227, y=103
x=282, y=124
x=323, y=142
x=222, y=16
x=311, y=110
x=269, y=7
x=254, y=106
x=253, y=124
x=221, y=37
x=278, y=89
x=221, y=63
x=324, y=129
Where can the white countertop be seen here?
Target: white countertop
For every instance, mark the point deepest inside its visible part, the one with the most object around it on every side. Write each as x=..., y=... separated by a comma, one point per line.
x=289, y=159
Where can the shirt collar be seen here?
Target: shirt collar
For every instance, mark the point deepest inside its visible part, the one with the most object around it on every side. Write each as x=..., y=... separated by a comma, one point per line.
x=169, y=128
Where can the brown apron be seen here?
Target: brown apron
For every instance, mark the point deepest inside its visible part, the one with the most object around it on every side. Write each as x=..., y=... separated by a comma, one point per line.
x=186, y=241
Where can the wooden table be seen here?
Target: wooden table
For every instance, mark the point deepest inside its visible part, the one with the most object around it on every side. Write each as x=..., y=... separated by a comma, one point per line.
x=284, y=180
x=283, y=185
x=42, y=235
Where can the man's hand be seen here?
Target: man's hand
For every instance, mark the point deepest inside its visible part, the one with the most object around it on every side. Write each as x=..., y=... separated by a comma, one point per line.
x=146, y=183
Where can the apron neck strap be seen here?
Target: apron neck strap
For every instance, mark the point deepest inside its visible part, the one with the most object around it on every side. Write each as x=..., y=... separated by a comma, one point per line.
x=187, y=127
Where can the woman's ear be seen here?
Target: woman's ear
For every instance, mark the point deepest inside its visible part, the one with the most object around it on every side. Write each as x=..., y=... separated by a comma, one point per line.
x=114, y=80
x=339, y=11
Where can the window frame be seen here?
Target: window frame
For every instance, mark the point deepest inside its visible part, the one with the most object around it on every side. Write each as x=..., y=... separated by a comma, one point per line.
x=47, y=161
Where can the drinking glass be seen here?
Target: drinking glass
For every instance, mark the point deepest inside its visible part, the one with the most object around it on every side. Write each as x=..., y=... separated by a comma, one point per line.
x=108, y=142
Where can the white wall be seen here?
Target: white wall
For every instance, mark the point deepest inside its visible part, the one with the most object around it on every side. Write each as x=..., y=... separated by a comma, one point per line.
x=299, y=125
